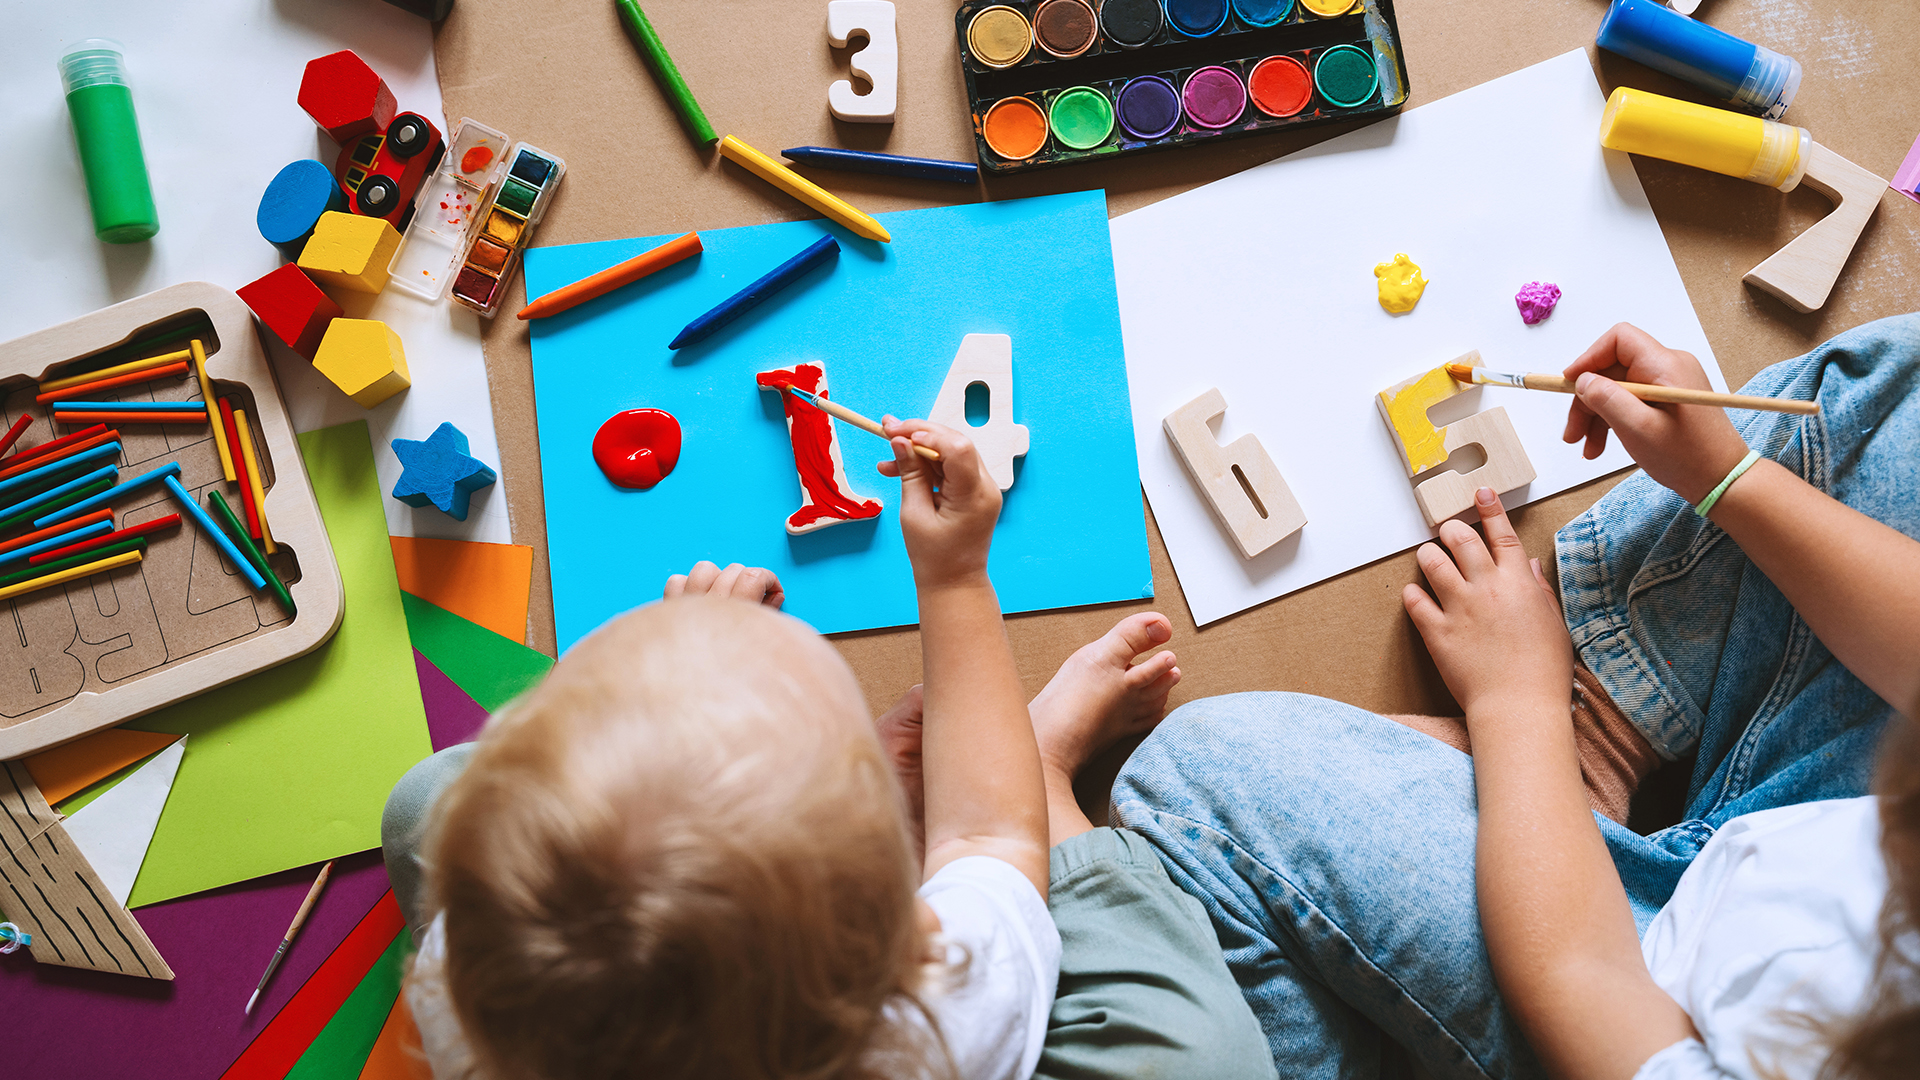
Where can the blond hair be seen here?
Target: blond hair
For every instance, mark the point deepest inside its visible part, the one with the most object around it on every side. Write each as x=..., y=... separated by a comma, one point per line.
x=683, y=855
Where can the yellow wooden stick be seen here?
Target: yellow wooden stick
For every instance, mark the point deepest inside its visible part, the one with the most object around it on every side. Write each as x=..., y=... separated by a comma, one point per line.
x=803, y=189
x=253, y=478
x=199, y=352
x=119, y=369
x=1672, y=395
x=59, y=577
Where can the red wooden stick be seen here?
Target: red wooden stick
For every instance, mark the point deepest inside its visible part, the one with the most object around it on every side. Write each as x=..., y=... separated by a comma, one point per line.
x=52, y=531
x=67, y=451
x=13, y=434
x=130, y=377
x=246, y=489
x=128, y=533
x=49, y=447
x=197, y=416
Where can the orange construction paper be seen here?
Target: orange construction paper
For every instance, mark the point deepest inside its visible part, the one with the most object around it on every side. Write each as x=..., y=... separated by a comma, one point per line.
x=279, y=1045
x=482, y=583
x=396, y=1054
x=66, y=769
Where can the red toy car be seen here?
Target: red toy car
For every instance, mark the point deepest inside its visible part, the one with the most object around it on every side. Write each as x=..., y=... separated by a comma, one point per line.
x=381, y=173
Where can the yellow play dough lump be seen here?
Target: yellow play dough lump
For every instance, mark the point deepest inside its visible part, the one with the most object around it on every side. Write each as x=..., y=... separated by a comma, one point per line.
x=1400, y=284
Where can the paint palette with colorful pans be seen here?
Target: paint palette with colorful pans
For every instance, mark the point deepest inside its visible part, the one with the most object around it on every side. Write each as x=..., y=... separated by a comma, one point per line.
x=506, y=225
x=1058, y=81
x=100, y=650
x=443, y=218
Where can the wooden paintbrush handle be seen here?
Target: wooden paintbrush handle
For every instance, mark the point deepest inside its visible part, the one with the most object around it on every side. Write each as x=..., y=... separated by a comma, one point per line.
x=834, y=408
x=1677, y=395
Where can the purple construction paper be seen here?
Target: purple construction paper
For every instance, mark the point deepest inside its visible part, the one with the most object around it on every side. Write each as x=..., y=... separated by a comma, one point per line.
x=69, y=1024
x=452, y=716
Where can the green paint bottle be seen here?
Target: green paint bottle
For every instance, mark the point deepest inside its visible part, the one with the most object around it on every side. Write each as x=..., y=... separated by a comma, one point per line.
x=108, y=135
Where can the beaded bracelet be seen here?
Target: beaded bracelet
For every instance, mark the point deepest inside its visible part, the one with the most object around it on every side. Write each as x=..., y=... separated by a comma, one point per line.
x=1713, y=496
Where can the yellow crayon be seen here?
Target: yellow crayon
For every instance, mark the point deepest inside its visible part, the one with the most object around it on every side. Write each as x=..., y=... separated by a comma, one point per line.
x=803, y=189
x=1726, y=142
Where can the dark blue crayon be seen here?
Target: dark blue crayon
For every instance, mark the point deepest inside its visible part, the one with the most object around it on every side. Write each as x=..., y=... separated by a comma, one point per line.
x=750, y=297
x=919, y=168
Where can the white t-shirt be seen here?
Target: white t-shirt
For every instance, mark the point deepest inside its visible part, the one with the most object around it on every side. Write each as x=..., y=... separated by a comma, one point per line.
x=991, y=997
x=1778, y=916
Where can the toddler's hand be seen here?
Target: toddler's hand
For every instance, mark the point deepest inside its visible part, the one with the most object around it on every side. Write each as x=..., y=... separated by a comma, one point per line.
x=947, y=530
x=1496, y=632
x=754, y=584
x=1688, y=448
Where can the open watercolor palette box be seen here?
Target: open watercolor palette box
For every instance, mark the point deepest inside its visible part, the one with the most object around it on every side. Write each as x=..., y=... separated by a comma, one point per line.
x=96, y=651
x=1058, y=81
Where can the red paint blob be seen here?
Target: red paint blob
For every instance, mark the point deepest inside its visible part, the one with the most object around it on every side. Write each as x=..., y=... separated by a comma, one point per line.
x=476, y=159
x=637, y=448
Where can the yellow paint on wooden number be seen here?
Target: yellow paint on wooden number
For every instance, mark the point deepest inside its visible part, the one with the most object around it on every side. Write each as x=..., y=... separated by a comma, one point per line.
x=1423, y=445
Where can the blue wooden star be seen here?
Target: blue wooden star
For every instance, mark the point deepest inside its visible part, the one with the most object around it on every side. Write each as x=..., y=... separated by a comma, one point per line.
x=438, y=471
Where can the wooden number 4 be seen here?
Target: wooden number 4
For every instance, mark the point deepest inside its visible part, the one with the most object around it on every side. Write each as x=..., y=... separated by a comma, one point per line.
x=985, y=359
x=1240, y=481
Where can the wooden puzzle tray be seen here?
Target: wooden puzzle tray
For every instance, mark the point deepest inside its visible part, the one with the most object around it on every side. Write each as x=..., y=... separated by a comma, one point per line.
x=100, y=650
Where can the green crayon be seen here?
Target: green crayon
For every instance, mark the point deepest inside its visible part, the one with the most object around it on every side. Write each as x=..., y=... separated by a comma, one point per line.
x=664, y=72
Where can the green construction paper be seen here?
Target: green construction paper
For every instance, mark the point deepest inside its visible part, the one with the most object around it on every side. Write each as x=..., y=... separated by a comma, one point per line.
x=493, y=670
x=292, y=766
x=341, y=1049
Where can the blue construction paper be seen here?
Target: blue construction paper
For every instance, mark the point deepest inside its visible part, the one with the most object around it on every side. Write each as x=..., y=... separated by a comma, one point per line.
x=886, y=321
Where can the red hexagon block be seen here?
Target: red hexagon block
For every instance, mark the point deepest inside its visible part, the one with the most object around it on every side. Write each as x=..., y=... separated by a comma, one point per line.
x=345, y=96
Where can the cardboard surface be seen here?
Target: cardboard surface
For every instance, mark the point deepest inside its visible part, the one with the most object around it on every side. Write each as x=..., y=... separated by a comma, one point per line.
x=760, y=69
x=292, y=766
x=885, y=322
x=220, y=942
x=485, y=583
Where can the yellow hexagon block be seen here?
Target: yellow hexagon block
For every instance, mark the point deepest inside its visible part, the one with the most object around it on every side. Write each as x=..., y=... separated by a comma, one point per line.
x=364, y=359
x=350, y=251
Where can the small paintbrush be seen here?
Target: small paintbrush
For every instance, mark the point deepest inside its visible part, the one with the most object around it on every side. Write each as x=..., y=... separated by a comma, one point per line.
x=299, y=918
x=1675, y=395
x=834, y=408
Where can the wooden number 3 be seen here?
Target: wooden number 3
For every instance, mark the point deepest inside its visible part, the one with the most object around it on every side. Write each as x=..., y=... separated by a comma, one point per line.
x=878, y=63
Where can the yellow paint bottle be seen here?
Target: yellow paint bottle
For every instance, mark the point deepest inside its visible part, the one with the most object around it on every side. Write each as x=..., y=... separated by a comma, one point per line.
x=1748, y=147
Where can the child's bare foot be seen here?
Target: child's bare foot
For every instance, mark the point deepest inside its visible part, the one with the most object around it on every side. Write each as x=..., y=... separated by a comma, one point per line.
x=1100, y=696
x=899, y=729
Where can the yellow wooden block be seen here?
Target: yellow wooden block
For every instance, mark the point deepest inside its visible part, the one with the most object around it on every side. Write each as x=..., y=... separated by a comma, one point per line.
x=364, y=359
x=350, y=251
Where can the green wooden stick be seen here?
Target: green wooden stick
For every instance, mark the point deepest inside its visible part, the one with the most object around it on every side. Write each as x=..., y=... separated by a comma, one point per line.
x=664, y=72
x=232, y=524
x=138, y=543
x=26, y=516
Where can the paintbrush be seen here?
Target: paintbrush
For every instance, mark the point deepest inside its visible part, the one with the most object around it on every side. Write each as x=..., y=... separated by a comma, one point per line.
x=1674, y=395
x=834, y=408
x=299, y=918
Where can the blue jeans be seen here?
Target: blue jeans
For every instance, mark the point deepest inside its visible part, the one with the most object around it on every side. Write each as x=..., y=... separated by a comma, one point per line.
x=1334, y=849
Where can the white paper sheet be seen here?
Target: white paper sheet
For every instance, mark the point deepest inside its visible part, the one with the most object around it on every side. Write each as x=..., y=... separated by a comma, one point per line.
x=1262, y=284
x=215, y=83
x=115, y=830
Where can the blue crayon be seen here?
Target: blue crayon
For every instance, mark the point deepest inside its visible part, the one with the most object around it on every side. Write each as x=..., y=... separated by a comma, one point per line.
x=130, y=406
x=1752, y=78
x=750, y=297
x=85, y=532
x=919, y=168
x=88, y=506
x=101, y=454
x=205, y=521
x=104, y=472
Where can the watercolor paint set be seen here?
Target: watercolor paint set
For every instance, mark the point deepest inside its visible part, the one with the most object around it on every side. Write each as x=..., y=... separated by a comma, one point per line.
x=506, y=224
x=448, y=206
x=1056, y=81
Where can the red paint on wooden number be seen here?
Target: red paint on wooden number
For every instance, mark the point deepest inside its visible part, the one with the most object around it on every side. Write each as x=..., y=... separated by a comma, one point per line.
x=637, y=448
x=815, y=456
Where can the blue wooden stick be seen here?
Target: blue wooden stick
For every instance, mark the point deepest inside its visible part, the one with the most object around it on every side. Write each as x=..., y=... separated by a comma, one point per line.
x=205, y=521
x=130, y=406
x=104, y=472
x=89, y=505
x=750, y=297
x=103, y=455
x=918, y=168
x=74, y=536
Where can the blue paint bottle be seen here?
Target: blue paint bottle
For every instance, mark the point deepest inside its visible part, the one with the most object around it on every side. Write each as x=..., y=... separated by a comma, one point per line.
x=1752, y=78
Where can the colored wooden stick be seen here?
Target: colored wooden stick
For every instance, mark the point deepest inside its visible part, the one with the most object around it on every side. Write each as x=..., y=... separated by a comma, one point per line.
x=803, y=189
x=206, y=402
x=835, y=409
x=54, y=508
x=36, y=479
x=232, y=524
x=145, y=528
x=62, y=529
x=253, y=479
x=654, y=51
x=129, y=379
x=64, y=444
x=138, y=543
x=130, y=406
x=246, y=489
x=199, y=417
x=917, y=168
x=753, y=295
x=1673, y=395
x=13, y=434
x=587, y=288
x=32, y=553
x=118, y=369
x=207, y=525
x=55, y=494
x=144, y=480
x=59, y=577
